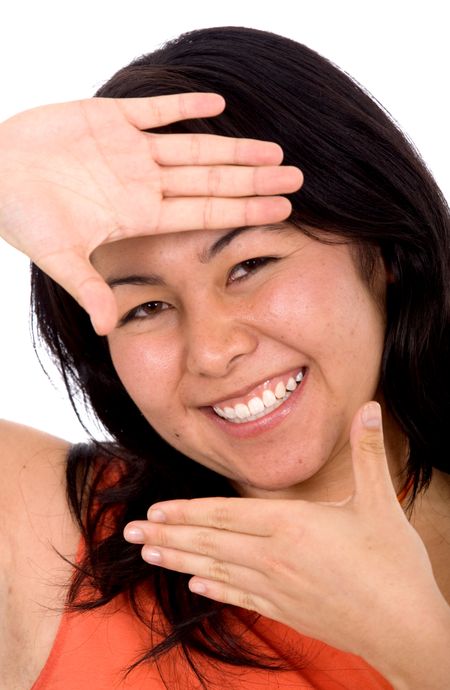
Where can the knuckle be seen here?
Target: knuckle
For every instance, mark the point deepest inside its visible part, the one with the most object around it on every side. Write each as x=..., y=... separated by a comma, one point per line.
x=214, y=181
x=159, y=536
x=240, y=152
x=194, y=145
x=220, y=517
x=183, y=512
x=256, y=181
x=204, y=543
x=246, y=601
x=182, y=106
x=219, y=571
x=372, y=444
x=155, y=111
x=249, y=205
x=274, y=566
x=208, y=213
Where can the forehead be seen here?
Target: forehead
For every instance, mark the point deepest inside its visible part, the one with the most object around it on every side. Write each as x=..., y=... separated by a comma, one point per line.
x=196, y=245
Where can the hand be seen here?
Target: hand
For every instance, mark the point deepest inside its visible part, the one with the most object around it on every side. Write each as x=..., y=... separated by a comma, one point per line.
x=78, y=175
x=355, y=575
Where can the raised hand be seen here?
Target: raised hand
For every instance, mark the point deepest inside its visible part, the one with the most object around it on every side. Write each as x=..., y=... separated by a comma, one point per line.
x=355, y=575
x=77, y=175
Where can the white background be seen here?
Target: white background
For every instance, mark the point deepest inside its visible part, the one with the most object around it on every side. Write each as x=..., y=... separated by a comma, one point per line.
x=52, y=51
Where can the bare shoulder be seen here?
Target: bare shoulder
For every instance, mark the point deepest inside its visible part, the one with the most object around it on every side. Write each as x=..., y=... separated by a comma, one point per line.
x=32, y=468
x=32, y=489
x=36, y=528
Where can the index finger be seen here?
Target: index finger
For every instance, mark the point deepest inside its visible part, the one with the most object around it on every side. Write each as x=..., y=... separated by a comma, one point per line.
x=157, y=111
x=244, y=515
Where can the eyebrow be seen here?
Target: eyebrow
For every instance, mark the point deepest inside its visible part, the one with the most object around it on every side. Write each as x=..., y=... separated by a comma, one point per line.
x=225, y=240
x=204, y=257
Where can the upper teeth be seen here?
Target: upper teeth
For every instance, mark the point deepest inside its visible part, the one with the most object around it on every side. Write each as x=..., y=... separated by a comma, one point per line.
x=259, y=406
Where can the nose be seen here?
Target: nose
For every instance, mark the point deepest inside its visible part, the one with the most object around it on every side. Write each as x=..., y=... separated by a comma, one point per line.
x=216, y=340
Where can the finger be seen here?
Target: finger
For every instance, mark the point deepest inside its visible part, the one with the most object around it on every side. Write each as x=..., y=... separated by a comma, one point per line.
x=234, y=596
x=77, y=275
x=230, y=546
x=370, y=467
x=211, y=149
x=211, y=568
x=212, y=213
x=157, y=111
x=229, y=180
x=245, y=515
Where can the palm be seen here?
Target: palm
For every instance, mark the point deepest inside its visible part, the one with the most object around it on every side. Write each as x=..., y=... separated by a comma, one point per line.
x=77, y=175
x=87, y=170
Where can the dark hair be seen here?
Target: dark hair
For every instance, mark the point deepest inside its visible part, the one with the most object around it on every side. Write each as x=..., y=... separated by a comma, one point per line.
x=364, y=181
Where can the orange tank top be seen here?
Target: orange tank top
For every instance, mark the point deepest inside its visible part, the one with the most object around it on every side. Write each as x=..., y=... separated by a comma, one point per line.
x=93, y=649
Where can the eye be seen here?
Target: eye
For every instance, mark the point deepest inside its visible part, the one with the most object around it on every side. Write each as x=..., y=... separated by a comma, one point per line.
x=245, y=268
x=148, y=310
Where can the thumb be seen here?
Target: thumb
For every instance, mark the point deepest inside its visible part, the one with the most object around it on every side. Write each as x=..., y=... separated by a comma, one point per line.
x=370, y=466
x=76, y=274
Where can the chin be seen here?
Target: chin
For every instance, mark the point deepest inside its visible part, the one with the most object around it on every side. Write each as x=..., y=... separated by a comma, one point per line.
x=278, y=481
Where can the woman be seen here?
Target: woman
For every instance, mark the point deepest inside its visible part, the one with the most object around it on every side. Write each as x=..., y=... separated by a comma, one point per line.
x=250, y=362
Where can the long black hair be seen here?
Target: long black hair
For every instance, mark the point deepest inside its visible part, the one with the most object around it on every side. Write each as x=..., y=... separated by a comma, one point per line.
x=363, y=181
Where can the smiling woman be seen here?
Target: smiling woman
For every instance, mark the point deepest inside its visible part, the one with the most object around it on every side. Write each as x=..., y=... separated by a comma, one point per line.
x=206, y=335
x=239, y=345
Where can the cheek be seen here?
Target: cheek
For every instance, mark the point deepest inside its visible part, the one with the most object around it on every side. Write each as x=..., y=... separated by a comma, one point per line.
x=335, y=321
x=147, y=367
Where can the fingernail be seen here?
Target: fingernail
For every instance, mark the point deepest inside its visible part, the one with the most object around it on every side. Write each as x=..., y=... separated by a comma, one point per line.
x=151, y=555
x=134, y=535
x=157, y=516
x=371, y=415
x=197, y=587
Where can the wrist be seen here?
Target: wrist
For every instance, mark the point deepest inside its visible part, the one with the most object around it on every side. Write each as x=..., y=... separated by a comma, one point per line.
x=416, y=655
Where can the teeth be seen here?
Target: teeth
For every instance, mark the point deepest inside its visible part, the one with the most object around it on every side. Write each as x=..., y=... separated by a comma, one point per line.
x=242, y=411
x=280, y=390
x=291, y=384
x=268, y=398
x=257, y=407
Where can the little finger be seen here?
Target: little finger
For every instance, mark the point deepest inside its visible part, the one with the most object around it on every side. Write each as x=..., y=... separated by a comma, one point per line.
x=234, y=596
x=213, y=213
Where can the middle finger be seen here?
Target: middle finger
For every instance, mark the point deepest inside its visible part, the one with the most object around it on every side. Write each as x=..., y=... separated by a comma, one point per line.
x=212, y=149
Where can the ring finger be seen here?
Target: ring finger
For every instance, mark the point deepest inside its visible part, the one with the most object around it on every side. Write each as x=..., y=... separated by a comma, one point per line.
x=229, y=181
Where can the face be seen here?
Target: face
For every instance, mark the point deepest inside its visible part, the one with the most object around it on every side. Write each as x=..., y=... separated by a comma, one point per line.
x=248, y=350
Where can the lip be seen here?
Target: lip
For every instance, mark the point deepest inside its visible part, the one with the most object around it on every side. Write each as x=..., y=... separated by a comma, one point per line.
x=263, y=424
x=243, y=392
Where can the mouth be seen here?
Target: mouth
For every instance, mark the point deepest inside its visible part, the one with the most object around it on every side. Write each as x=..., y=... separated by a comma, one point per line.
x=262, y=401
